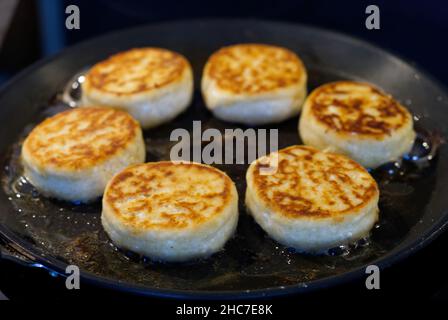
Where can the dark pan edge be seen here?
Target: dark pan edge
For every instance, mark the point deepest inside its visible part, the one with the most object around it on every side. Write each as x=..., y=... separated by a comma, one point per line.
x=390, y=55
x=388, y=260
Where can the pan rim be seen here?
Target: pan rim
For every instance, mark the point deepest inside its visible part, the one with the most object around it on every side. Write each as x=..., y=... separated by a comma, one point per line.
x=394, y=256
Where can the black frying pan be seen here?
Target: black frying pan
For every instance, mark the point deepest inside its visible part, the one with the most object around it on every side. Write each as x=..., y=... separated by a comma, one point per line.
x=46, y=233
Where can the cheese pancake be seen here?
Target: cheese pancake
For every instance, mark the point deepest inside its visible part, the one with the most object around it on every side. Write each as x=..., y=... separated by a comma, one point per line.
x=314, y=201
x=154, y=85
x=170, y=211
x=254, y=83
x=358, y=120
x=72, y=155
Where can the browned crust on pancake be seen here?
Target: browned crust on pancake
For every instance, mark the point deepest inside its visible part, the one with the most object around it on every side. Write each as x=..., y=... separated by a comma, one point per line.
x=277, y=68
x=116, y=75
x=94, y=134
x=146, y=184
x=295, y=201
x=352, y=117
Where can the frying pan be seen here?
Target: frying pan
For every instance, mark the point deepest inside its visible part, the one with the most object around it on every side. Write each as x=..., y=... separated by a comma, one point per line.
x=46, y=233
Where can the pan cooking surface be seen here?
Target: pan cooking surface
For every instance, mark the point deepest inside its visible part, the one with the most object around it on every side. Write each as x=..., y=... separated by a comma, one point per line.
x=72, y=233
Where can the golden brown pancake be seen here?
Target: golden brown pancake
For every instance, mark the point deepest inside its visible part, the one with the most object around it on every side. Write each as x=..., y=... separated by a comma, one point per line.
x=314, y=201
x=359, y=109
x=254, y=83
x=80, y=138
x=136, y=71
x=254, y=68
x=358, y=120
x=63, y=151
x=154, y=85
x=171, y=212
